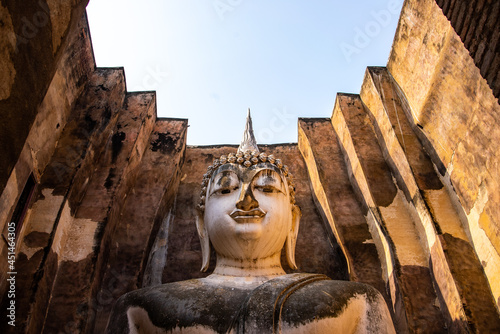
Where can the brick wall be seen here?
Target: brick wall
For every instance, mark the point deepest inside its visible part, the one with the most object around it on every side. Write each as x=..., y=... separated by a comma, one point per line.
x=476, y=22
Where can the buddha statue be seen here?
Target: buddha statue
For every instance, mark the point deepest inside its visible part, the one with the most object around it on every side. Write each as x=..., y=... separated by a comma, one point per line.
x=247, y=212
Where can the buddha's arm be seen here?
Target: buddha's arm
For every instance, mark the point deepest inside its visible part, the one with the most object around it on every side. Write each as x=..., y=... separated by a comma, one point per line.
x=181, y=307
x=129, y=318
x=365, y=311
x=378, y=318
x=335, y=306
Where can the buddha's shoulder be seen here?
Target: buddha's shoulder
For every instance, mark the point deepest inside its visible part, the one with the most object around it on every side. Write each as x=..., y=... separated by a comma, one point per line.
x=163, y=289
x=188, y=304
x=340, y=290
x=337, y=304
x=190, y=291
x=315, y=285
x=335, y=299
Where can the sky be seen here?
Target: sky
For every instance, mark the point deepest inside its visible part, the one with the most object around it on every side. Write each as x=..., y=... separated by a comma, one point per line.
x=209, y=61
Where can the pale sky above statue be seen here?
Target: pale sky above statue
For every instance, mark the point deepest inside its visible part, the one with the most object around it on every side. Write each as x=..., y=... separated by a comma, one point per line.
x=211, y=60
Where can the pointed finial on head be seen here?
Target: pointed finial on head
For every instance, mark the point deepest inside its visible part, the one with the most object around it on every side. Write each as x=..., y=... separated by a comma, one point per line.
x=248, y=143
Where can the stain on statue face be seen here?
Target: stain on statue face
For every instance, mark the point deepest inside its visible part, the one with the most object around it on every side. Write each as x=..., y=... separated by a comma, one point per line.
x=248, y=213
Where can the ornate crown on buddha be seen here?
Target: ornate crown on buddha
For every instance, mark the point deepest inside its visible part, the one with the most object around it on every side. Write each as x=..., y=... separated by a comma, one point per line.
x=247, y=155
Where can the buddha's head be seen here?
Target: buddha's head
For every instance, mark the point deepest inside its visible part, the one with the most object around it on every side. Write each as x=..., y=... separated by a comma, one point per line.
x=247, y=206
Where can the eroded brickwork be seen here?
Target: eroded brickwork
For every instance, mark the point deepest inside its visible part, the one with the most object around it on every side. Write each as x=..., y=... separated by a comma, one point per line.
x=476, y=22
x=34, y=35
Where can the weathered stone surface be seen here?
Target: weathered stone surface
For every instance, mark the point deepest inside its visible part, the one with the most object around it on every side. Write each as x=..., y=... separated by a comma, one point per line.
x=472, y=284
x=476, y=22
x=93, y=208
x=383, y=111
x=420, y=300
x=359, y=142
x=446, y=218
x=350, y=114
x=129, y=234
x=60, y=148
x=347, y=214
x=80, y=146
x=7, y=45
x=55, y=109
x=459, y=115
x=28, y=63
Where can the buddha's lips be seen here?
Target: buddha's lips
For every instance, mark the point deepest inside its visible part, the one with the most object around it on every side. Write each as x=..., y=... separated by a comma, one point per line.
x=252, y=214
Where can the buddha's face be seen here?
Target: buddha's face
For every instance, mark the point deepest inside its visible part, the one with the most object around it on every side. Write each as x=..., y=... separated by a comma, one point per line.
x=248, y=213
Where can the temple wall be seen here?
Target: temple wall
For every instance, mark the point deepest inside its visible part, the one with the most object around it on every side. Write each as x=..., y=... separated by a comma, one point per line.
x=476, y=22
x=453, y=111
x=90, y=144
x=54, y=111
x=34, y=35
x=398, y=188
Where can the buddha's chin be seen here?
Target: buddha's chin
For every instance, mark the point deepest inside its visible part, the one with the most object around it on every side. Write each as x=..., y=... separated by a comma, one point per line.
x=249, y=231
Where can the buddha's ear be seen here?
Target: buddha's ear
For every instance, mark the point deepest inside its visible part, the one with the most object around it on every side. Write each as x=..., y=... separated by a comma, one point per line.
x=291, y=238
x=204, y=240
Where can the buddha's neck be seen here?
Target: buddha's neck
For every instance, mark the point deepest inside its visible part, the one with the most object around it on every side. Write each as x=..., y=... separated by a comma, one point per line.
x=260, y=269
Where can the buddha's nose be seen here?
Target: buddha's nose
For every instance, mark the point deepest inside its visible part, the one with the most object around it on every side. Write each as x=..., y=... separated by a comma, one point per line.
x=247, y=201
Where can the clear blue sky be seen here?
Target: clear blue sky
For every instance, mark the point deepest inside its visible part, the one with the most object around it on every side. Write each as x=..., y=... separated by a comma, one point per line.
x=211, y=60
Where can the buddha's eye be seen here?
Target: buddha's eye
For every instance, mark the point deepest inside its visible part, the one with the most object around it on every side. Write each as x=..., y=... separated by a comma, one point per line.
x=267, y=189
x=224, y=191
x=224, y=183
x=268, y=181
